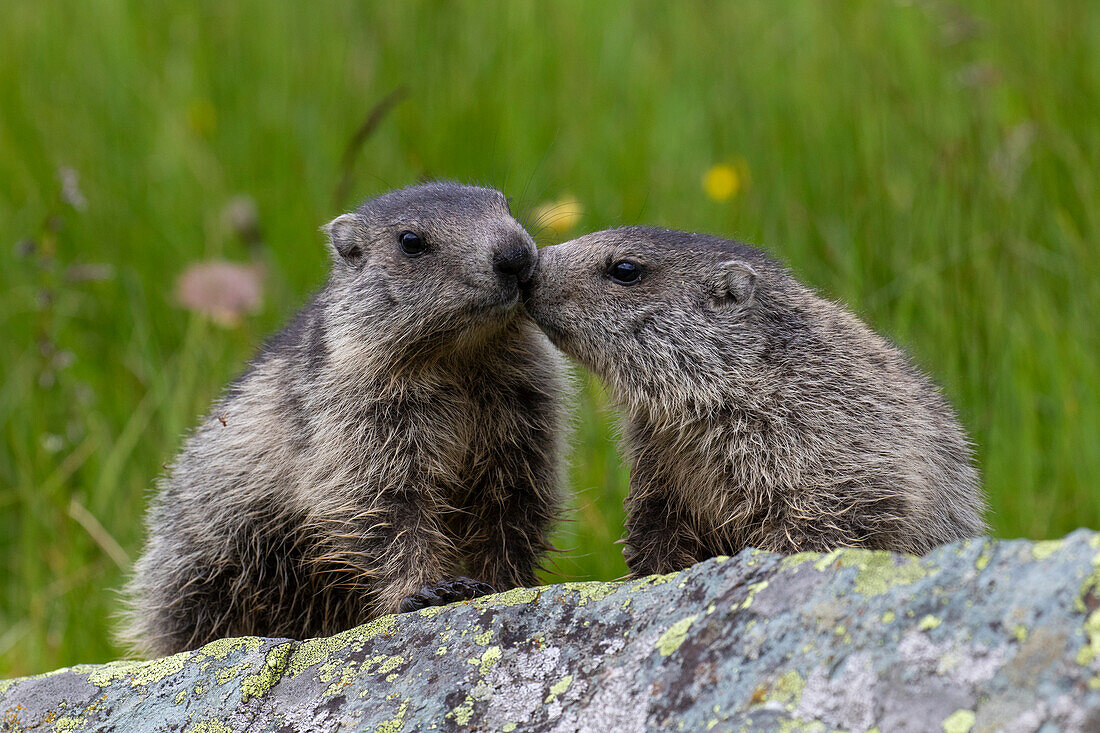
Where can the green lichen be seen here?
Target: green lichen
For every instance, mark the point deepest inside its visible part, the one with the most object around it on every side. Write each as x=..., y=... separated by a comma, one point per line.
x=558, y=688
x=484, y=638
x=929, y=622
x=315, y=651
x=441, y=651
x=671, y=640
x=509, y=727
x=889, y=617
x=1020, y=632
x=275, y=664
x=984, y=558
x=877, y=572
x=960, y=721
x=396, y=723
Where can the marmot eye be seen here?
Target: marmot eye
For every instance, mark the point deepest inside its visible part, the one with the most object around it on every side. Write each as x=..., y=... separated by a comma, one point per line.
x=625, y=272
x=412, y=243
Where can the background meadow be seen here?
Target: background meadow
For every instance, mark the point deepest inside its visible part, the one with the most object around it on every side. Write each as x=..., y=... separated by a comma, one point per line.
x=935, y=166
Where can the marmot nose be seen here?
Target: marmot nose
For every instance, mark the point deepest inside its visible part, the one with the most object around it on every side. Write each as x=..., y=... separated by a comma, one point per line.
x=514, y=259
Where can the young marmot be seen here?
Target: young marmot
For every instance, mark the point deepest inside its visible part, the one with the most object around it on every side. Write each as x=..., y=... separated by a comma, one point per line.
x=403, y=428
x=757, y=413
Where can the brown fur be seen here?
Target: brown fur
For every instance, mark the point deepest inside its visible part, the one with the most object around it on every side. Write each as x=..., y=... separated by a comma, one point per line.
x=757, y=413
x=404, y=428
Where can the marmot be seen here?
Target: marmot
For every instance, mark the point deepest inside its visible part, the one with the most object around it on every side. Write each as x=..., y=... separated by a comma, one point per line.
x=405, y=427
x=756, y=413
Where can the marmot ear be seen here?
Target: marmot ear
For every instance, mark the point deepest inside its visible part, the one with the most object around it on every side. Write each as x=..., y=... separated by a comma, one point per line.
x=734, y=284
x=345, y=238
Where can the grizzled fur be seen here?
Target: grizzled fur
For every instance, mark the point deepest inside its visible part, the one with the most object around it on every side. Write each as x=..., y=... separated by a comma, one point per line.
x=403, y=428
x=757, y=413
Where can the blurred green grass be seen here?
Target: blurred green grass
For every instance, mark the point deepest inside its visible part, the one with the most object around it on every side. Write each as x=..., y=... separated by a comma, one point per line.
x=934, y=166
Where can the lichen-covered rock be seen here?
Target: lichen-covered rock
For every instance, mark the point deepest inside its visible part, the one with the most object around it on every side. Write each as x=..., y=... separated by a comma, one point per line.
x=979, y=636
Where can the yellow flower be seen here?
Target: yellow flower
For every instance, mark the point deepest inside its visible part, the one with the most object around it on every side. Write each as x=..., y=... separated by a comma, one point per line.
x=558, y=216
x=724, y=181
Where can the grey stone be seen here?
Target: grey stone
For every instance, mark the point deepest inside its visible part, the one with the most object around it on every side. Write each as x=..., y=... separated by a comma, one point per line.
x=979, y=636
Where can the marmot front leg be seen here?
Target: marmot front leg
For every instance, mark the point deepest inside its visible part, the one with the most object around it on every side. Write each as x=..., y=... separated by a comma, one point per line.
x=659, y=536
x=396, y=548
x=507, y=528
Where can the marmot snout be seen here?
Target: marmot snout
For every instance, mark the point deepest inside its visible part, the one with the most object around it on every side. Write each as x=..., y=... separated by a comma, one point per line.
x=757, y=413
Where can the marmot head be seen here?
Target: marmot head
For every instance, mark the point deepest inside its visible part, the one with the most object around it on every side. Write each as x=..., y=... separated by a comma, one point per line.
x=426, y=268
x=668, y=319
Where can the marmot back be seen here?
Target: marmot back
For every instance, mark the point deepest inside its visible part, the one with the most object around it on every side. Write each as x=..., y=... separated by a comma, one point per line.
x=403, y=429
x=757, y=413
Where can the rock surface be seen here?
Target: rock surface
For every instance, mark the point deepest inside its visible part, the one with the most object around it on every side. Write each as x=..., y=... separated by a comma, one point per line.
x=980, y=636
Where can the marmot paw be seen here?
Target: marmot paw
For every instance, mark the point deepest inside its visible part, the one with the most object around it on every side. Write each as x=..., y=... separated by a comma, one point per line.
x=446, y=591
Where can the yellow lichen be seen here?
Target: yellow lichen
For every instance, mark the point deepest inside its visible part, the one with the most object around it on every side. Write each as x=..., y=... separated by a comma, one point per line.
x=316, y=651
x=396, y=723
x=220, y=648
x=65, y=724
x=225, y=674
x=275, y=664
x=516, y=596
x=431, y=611
x=1091, y=649
x=788, y=689
x=558, y=688
x=753, y=589
x=210, y=726
x=671, y=640
x=491, y=656
x=888, y=617
x=877, y=572
x=591, y=591
x=391, y=664
x=960, y=721
x=1044, y=549
x=929, y=622
x=463, y=712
